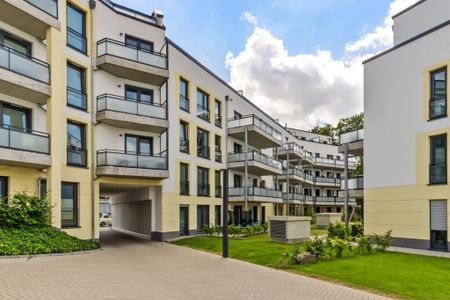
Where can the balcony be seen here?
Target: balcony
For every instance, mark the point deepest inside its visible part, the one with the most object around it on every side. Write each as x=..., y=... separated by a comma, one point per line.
x=355, y=188
x=299, y=176
x=24, y=147
x=257, y=163
x=260, y=134
x=298, y=198
x=203, y=190
x=203, y=151
x=132, y=63
x=122, y=164
x=355, y=141
x=295, y=152
x=331, y=163
x=127, y=113
x=39, y=15
x=23, y=76
x=255, y=194
x=203, y=113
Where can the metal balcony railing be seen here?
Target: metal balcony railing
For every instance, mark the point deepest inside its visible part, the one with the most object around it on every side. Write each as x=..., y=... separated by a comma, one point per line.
x=254, y=191
x=119, y=158
x=299, y=173
x=218, y=120
x=203, y=112
x=131, y=106
x=356, y=183
x=24, y=139
x=203, y=189
x=203, y=151
x=119, y=49
x=184, y=103
x=76, y=156
x=50, y=7
x=24, y=65
x=254, y=156
x=256, y=121
x=438, y=173
x=76, y=98
x=218, y=155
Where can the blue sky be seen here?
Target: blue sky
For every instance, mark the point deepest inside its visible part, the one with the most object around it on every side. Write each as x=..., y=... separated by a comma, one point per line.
x=208, y=29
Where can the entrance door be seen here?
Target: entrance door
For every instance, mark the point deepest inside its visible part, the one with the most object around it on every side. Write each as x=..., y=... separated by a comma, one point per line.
x=202, y=217
x=237, y=215
x=263, y=215
x=438, y=224
x=184, y=220
x=254, y=214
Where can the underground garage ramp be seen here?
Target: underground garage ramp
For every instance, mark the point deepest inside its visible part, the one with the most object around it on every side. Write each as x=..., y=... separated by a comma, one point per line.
x=132, y=216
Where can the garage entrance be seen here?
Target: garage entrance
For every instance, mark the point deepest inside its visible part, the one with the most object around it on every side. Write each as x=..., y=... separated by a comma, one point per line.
x=131, y=208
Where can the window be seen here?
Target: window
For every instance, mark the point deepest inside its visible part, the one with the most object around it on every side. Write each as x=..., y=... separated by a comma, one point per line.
x=76, y=144
x=184, y=179
x=438, y=94
x=69, y=204
x=138, y=43
x=218, y=150
x=317, y=210
x=218, y=113
x=218, y=187
x=338, y=157
x=76, y=87
x=202, y=105
x=317, y=173
x=237, y=115
x=218, y=210
x=438, y=225
x=184, y=95
x=438, y=159
x=262, y=184
x=76, y=28
x=338, y=209
x=328, y=209
x=202, y=217
x=15, y=43
x=329, y=156
x=202, y=181
x=317, y=155
x=329, y=193
x=139, y=94
x=42, y=188
x=237, y=148
x=237, y=181
x=202, y=143
x=139, y=145
x=255, y=182
x=184, y=137
x=3, y=189
x=14, y=116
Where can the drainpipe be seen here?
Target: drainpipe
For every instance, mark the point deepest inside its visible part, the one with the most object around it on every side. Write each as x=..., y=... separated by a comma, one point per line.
x=287, y=178
x=346, y=185
x=92, y=5
x=246, y=175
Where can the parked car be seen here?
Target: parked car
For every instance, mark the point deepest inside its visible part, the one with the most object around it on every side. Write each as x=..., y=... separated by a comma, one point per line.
x=105, y=220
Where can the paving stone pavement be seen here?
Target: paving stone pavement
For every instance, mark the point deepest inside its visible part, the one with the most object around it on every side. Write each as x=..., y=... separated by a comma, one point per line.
x=131, y=268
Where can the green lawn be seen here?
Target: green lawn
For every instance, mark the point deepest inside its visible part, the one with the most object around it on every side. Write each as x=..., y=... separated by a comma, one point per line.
x=404, y=275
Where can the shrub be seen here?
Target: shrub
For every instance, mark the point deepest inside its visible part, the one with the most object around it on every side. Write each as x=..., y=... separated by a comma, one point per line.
x=24, y=210
x=337, y=231
x=289, y=256
x=208, y=230
x=359, y=229
x=218, y=229
x=248, y=230
x=27, y=240
x=339, y=246
x=383, y=240
x=364, y=245
x=257, y=228
x=265, y=227
x=234, y=230
x=316, y=246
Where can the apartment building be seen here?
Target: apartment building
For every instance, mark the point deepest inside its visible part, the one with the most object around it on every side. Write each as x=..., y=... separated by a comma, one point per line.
x=97, y=103
x=406, y=130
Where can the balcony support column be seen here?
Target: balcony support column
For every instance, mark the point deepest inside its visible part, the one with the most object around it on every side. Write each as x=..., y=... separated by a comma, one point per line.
x=246, y=174
x=346, y=185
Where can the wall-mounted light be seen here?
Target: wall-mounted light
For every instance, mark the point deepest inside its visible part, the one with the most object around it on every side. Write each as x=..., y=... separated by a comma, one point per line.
x=121, y=33
x=118, y=85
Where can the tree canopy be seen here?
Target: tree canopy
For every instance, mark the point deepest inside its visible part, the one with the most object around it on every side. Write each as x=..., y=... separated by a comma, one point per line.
x=344, y=125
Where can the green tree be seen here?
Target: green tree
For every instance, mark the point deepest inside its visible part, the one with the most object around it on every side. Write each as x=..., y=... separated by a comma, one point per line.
x=344, y=125
x=326, y=129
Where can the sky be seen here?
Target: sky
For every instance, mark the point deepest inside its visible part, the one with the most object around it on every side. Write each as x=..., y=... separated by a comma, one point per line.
x=299, y=60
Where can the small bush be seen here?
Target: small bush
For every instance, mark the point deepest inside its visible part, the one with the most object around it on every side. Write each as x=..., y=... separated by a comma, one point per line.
x=218, y=229
x=316, y=246
x=289, y=257
x=359, y=229
x=383, y=240
x=234, y=230
x=249, y=230
x=265, y=227
x=24, y=210
x=27, y=240
x=364, y=245
x=208, y=230
x=337, y=231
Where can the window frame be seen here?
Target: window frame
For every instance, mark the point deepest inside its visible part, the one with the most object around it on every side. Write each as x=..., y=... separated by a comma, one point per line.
x=184, y=97
x=217, y=184
x=207, y=184
x=26, y=110
x=433, y=95
x=28, y=45
x=433, y=159
x=75, y=211
x=208, y=150
x=218, y=114
x=139, y=42
x=83, y=85
x=139, y=91
x=186, y=193
x=185, y=130
x=4, y=182
x=83, y=34
x=138, y=144
x=83, y=142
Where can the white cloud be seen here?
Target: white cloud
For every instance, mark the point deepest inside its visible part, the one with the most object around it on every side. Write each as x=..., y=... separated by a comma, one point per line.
x=380, y=37
x=308, y=89
x=249, y=17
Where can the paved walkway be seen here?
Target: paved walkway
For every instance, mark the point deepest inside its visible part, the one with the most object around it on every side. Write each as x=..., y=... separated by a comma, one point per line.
x=420, y=251
x=130, y=268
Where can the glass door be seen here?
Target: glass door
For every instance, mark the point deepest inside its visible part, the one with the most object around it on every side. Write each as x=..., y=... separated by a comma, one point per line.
x=184, y=220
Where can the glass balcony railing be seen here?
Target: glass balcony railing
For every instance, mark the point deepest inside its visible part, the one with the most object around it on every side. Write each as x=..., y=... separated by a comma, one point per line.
x=117, y=158
x=203, y=189
x=131, y=106
x=254, y=156
x=203, y=151
x=48, y=6
x=24, y=139
x=351, y=136
x=256, y=121
x=76, y=98
x=356, y=183
x=299, y=173
x=23, y=64
x=184, y=145
x=120, y=49
x=254, y=191
x=218, y=156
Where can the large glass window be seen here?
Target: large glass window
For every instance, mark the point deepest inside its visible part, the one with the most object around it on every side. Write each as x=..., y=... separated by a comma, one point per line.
x=218, y=213
x=76, y=144
x=184, y=137
x=202, y=181
x=218, y=148
x=14, y=116
x=218, y=113
x=202, y=105
x=438, y=94
x=218, y=184
x=15, y=43
x=76, y=87
x=139, y=94
x=184, y=179
x=139, y=145
x=69, y=204
x=202, y=217
x=3, y=189
x=139, y=44
x=202, y=143
x=184, y=94
x=76, y=28
x=438, y=159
